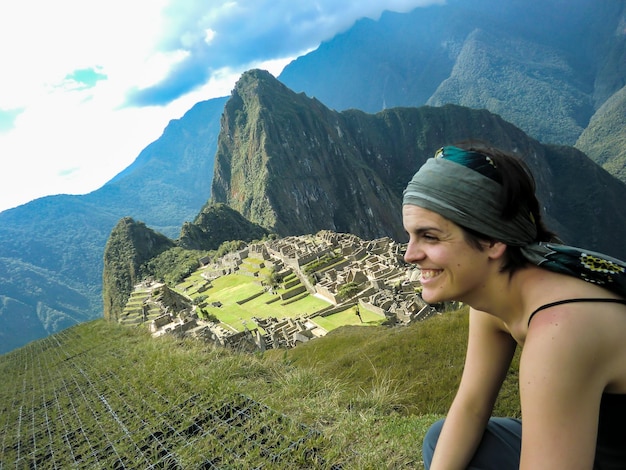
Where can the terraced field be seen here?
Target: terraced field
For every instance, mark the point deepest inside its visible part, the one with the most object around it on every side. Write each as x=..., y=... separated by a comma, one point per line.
x=235, y=299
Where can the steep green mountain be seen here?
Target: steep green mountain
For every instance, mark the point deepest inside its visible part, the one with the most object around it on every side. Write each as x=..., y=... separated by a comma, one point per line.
x=51, y=249
x=216, y=224
x=287, y=162
x=605, y=137
x=283, y=162
x=135, y=252
x=128, y=248
x=524, y=82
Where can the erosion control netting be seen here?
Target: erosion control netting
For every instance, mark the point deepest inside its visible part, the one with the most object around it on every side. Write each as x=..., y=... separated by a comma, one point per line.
x=63, y=413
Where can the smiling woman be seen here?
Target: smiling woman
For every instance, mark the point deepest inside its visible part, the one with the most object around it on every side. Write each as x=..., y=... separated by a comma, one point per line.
x=475, y=231
x=451, y=269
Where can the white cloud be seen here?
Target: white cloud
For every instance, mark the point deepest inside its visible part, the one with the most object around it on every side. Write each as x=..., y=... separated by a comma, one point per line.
x=69, y=66
x=209, y=34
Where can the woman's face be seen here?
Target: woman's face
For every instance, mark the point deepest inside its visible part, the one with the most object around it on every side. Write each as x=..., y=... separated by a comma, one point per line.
x=451, y=269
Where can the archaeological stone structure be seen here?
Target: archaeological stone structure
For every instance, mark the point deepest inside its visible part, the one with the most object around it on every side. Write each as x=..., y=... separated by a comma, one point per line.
x=322, y=265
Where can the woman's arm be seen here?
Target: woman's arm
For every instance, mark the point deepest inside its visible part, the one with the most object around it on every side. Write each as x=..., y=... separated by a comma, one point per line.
x=563, y=372
x=490, y=349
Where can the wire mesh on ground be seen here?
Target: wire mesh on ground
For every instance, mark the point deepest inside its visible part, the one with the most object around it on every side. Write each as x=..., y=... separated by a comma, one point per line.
x=66, y=413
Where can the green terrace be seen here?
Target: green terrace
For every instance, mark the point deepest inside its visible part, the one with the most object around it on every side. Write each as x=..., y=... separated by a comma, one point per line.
x=235, y=299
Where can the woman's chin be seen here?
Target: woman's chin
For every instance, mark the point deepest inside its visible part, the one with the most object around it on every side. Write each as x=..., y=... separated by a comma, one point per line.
x=433, y=297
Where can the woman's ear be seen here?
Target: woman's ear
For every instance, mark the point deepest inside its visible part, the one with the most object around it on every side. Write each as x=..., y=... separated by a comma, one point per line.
x=496, y=249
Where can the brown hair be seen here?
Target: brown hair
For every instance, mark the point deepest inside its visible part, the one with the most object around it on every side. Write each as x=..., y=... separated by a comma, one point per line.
x=518, y=195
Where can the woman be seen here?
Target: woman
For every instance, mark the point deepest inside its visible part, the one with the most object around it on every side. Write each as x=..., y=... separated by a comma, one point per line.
x=475, y=232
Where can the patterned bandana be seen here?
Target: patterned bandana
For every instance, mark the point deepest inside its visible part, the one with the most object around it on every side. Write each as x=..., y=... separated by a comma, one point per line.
x=589, y=266
x=464, y=187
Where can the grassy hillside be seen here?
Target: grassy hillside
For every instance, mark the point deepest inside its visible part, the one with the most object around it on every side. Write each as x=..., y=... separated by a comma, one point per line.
x=102, y=395
x=604, y=140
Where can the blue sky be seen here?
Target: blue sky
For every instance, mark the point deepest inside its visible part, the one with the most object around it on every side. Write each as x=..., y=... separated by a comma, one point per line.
x=87, y=84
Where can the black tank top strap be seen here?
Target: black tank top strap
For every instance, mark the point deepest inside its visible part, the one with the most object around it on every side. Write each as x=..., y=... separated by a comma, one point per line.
x=570, y=301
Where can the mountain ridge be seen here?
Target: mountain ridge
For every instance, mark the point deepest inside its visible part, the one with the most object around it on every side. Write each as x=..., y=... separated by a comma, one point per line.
x=419, y=50
x=65, y=235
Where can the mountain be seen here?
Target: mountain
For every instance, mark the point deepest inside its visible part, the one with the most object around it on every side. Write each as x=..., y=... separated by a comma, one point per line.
x=523, y=82
x=51, y=249
x=546, y=67
x=170, y=180
x=605, y=136
x=128, y=248
x=291, y=164
x=516, y=57
x=282, y=162
x=135, y=252
x=215, y=224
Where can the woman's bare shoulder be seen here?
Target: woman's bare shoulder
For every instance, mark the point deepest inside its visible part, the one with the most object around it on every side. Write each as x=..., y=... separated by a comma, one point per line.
x=583, y=334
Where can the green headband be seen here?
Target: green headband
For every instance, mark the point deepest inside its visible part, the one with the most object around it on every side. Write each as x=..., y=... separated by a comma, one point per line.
x=463, y=187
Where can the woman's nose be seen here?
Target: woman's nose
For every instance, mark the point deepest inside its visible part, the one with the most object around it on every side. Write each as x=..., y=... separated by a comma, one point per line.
x=413, y=254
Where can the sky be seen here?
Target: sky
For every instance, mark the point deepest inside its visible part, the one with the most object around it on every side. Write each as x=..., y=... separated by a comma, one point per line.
x=85, y=85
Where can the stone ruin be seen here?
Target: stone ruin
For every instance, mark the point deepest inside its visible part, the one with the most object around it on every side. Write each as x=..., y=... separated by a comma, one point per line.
x=385, y=285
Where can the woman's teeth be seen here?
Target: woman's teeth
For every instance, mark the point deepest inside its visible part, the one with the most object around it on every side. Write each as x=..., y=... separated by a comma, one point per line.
x=429, y=273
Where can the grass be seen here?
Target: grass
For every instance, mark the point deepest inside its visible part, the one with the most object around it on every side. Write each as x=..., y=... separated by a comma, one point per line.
x=234, y=288
x=100, y=395
x=349, y=317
